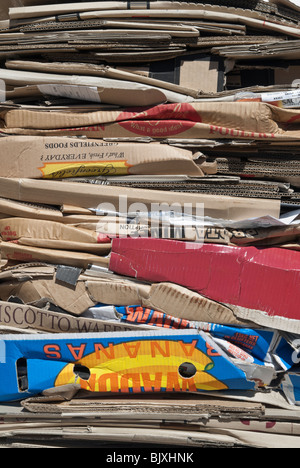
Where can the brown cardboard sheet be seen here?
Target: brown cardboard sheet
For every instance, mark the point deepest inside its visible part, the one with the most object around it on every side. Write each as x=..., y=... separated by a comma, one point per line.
x=223, y=120
x=105, y=90
x=24, y=317
x=91, y=196
x=13, y=251
x=284, y=50
x=59, y=158
x=17, y=228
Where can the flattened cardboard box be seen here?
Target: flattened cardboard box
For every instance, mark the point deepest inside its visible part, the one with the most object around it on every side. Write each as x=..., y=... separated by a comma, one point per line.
x=48, y=212
x=126, y=362
x=27, y=253
x=70, y=399
x=262, y=279
x=58, y=158
x=174, y=10
x=91, y=196
x=243, y=120
x=211, y=120
x=92, y=88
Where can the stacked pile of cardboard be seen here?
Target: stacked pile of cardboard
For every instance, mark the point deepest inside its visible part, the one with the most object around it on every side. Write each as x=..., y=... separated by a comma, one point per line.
x=150, y=223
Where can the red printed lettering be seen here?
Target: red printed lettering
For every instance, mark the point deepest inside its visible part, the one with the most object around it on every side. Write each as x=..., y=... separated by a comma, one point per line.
x=52, y=351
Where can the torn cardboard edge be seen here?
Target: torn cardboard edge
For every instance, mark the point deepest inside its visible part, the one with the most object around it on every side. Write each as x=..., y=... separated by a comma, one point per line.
x=70, y=399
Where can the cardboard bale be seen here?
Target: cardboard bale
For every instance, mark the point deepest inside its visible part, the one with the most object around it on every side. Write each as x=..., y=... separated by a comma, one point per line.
x=161, y=104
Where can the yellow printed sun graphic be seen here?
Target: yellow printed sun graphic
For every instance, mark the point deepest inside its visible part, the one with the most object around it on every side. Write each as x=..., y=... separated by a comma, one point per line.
x=148, y=366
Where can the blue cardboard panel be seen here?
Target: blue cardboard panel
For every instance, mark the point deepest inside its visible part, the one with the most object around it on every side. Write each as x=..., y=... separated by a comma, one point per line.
x=127, y=362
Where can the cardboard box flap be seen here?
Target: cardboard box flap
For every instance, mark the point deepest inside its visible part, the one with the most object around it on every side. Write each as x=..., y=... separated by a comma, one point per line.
x=262, y=319
x=20, y=209
x=181, y=302
x=118, y=293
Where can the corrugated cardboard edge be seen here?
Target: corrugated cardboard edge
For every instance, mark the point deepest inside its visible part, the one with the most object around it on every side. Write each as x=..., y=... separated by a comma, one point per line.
x=264, y=320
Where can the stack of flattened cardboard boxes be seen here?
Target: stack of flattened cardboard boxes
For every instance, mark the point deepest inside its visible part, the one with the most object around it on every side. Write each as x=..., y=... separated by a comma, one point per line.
x=150, y=223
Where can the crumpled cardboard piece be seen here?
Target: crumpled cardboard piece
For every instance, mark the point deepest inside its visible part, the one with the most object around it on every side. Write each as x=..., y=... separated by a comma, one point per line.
x=34, y=283
x=18, y=228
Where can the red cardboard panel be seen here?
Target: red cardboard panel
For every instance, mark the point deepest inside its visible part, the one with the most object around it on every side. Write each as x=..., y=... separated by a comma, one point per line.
x=262, y=279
